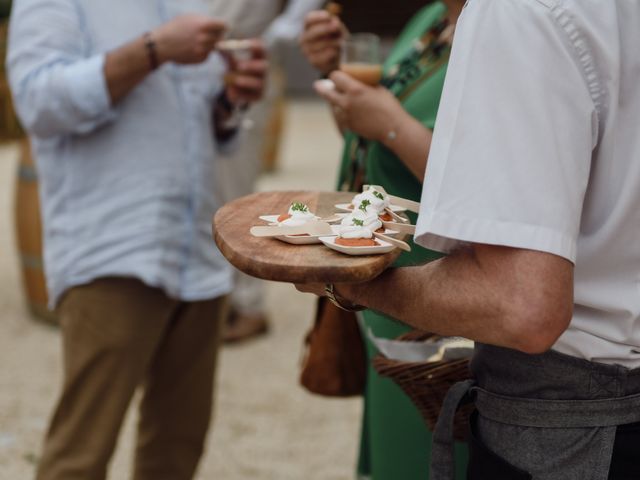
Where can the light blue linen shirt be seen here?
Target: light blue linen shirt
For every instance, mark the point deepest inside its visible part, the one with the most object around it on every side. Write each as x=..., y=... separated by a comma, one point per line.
x=126, y=189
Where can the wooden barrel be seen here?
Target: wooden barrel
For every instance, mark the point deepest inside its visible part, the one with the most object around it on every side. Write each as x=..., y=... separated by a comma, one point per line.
x=9, y=125
x=29, y=236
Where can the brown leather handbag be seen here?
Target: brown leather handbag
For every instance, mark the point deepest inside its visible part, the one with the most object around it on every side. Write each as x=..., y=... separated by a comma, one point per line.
x=335, y=362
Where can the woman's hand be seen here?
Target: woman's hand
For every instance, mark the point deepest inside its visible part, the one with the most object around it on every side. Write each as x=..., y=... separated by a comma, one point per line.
x=321, y=40
x=371, y=112
x=375, y=114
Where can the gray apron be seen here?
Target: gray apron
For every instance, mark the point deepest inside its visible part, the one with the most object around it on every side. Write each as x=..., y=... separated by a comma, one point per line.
x=539, y=417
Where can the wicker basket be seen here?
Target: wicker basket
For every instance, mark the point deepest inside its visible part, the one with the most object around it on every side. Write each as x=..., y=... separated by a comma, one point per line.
x=427, y=383
x=10, y=128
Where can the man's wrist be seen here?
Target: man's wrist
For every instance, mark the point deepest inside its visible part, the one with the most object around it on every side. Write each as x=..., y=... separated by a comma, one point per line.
x=340, y=300
x=151, y=48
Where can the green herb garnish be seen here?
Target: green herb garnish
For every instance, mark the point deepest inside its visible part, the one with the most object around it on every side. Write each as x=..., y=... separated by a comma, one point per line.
x=357, y=223
x=299, y=207
x=378, y=194
x=364, y=204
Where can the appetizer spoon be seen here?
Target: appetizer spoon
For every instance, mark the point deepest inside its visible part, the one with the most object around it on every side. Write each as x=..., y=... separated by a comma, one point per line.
x=403, y=202
x=395, y=216
x=393, y=241
x=400, y=227
x=309, y=228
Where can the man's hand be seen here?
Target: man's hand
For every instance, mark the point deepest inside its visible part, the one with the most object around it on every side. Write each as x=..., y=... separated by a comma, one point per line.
x=321, y=40
x=187, y=39
x=246, y=79
x=371, y=112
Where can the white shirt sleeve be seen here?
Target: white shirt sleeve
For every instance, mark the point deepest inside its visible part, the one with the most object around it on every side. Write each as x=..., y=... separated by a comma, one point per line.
x=58, y=89
x=512, y=147
x=288, y=26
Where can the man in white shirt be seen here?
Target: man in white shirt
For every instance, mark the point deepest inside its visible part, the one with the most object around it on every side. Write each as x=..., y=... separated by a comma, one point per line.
x=533, y=187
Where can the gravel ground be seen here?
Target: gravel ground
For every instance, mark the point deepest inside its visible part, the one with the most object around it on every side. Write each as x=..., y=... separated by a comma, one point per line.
x=266, y=427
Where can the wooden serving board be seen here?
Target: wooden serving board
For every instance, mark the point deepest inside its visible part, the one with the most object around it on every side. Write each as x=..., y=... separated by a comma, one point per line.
x=271, y=259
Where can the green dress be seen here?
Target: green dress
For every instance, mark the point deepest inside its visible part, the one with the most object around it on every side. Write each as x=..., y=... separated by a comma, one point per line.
x=395, y=441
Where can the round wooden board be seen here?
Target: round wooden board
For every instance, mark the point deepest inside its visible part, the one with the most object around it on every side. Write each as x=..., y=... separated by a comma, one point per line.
x=271, y=259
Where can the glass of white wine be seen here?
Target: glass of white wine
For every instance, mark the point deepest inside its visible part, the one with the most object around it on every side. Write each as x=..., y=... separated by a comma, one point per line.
x=361, y=58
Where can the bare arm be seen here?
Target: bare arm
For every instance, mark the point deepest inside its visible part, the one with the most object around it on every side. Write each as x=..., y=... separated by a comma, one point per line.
x=125, y=67
x=187, y=39
x=514, y=298
x=410, y=141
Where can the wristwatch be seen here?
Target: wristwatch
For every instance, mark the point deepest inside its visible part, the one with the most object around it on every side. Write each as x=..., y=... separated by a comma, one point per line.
x=329, y=289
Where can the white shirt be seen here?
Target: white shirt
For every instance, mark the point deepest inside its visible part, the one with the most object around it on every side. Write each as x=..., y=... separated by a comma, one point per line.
x=127, y=189
x=537, y=146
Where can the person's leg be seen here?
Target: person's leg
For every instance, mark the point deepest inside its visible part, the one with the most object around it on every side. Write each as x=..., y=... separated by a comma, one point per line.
x=110, y=329
x=176, y=408
x=247, y=318
x=237, y=174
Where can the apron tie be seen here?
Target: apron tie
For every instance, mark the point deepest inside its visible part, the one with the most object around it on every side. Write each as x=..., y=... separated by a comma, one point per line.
x=442, y=450
x=525, y=412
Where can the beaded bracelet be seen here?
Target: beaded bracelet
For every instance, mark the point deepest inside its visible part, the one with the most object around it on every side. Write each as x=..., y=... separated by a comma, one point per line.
x=152, y=53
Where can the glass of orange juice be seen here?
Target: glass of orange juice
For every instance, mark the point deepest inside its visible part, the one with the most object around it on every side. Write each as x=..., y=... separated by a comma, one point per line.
x=361, y=58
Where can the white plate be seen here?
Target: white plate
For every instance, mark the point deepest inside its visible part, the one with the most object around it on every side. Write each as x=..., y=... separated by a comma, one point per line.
x=345, y=208
x=384, y=247
x=304, y=239
x=313, y=239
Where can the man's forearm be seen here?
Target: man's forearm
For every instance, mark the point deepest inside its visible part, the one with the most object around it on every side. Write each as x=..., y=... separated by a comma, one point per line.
x=525, y=306
x=126, y=67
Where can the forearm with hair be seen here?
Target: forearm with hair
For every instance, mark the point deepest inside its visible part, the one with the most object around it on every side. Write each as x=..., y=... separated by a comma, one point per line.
x=125, y=67
x=516, y=299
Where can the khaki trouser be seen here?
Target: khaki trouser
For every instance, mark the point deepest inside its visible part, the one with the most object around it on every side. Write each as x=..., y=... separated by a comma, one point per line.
x=118, y=334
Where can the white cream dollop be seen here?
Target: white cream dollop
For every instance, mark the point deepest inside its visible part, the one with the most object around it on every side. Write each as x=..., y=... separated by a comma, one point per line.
x=298, y=218
x=370, y=223
x=373, y=195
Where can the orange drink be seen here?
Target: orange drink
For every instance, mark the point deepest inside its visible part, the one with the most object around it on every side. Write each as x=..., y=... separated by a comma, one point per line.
x=361, y=58
x=369, y=73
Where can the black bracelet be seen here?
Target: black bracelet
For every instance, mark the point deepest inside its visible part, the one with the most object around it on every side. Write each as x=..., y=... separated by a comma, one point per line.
x=152, y=53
